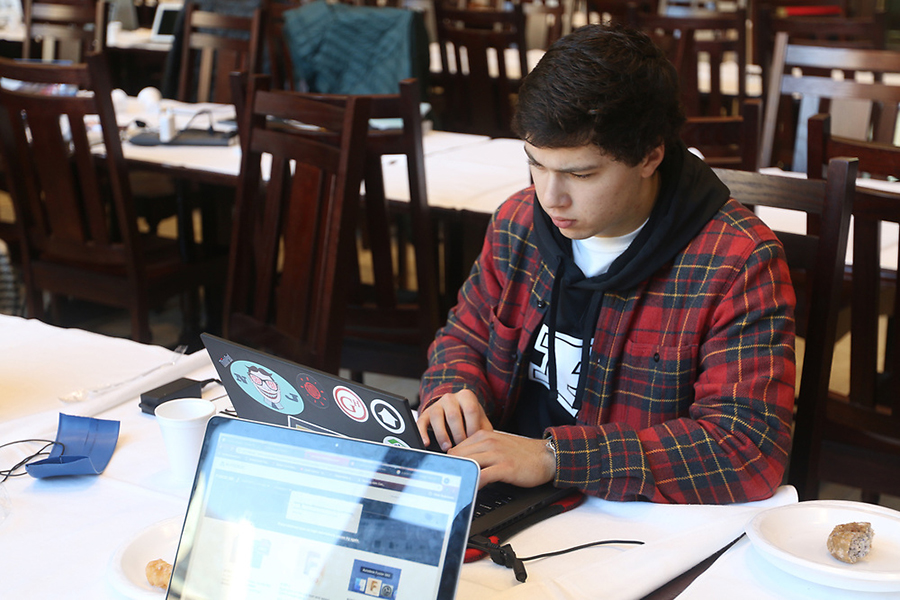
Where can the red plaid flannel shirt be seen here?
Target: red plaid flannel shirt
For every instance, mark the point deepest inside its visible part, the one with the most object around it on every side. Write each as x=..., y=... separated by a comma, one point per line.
x=690, y=386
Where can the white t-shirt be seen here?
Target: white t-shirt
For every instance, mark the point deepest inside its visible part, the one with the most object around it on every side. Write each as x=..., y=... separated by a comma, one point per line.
x=594, y=255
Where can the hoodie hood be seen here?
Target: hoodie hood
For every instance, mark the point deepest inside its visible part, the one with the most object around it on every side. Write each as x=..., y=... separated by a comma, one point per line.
x=689, y=196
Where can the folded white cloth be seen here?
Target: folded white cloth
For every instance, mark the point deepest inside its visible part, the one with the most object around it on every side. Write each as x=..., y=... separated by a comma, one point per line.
x=69, y=360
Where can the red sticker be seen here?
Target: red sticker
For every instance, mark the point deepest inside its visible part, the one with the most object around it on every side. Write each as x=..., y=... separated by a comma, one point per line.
x=350, y=403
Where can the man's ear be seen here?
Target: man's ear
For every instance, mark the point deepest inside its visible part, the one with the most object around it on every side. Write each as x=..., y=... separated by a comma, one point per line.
x=653, y=160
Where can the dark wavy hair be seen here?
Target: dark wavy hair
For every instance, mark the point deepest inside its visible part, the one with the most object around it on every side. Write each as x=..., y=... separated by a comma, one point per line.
x=607, y=85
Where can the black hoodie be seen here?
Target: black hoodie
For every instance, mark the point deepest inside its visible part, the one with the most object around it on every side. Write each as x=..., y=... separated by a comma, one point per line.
x=690, y=195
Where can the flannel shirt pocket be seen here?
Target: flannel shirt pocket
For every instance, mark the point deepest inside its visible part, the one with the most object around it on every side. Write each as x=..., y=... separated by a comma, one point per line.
x=659, y=379
x=503, y=342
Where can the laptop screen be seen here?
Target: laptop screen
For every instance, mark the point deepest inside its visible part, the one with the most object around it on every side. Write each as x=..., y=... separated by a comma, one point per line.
x=278, y=512
x=164, y=21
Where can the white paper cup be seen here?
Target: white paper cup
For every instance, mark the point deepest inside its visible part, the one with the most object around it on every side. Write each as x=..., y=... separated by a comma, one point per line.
x=183, y=423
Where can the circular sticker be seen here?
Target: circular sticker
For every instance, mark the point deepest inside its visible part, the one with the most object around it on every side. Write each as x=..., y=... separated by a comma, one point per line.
x=350, y=403
x=392, y=440
x=387, y=416
x=266, y=387
x=311, y=391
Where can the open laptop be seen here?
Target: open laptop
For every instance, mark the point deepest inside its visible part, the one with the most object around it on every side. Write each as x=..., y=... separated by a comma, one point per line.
x=273, y=390
x=278, y=512
x=164, y=20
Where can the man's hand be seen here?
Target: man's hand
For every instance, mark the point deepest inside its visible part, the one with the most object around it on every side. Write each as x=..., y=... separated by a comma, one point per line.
x=518, y=460
x=452, y=419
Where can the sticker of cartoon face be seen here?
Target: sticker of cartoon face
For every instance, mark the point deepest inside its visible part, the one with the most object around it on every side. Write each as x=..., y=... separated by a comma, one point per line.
x=266, y=385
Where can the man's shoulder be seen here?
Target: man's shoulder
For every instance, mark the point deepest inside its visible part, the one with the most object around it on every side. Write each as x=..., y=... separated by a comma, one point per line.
x=518, y=208
x=736, y=219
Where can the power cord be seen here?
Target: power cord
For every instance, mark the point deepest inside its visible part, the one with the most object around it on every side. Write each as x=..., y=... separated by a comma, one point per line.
x=506, y=556
x=11, y=472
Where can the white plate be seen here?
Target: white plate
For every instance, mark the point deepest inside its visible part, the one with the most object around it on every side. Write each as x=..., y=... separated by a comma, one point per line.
x=127, y=568
x=793, y=538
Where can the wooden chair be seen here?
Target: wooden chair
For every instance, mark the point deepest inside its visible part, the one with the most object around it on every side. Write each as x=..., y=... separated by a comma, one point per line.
x=816, y=91
x=220, y=44
x=614, y=11
x=552, y=20
x=281, y=67
x=821, y=258
x=64, y=29
x=76, y=219
x=294, y=236
x=855, y=440
x=727, y=142
x=838, y=30
x=473, y=48
x=684, y=36
x=389, y=324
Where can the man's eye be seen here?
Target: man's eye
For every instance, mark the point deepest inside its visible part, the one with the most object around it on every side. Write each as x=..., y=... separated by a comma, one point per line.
x=581, y=175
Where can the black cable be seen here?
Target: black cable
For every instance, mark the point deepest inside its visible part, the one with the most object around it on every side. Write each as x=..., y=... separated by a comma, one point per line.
x=11, y=472
x=582, y=547
x=206, y=112
x=506, y=556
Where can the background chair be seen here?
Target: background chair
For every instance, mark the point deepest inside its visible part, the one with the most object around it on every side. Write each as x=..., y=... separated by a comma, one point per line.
x=719, y=36
x=727, y=142
x=877, y=102
x=546, y=21
x=214, y=45
x=819, y=30
x=391, y=318
x=474, y=43
x=64, y=30
x=281, y=67
x=855, y=438
x=390, y=324
x=821, y=257
x=74, y=211
x=294, y=235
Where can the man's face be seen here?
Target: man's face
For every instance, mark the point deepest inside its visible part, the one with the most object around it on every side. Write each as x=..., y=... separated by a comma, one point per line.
x=587, y=193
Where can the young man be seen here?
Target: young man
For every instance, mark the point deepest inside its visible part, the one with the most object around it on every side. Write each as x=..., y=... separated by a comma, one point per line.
x=627, y=325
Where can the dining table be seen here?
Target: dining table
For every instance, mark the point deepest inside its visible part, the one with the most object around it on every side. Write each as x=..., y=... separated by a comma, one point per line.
x=90, y=535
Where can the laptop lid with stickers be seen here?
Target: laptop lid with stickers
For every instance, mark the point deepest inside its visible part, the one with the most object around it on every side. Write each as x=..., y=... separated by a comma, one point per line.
x=272, y=390
x=277, y=512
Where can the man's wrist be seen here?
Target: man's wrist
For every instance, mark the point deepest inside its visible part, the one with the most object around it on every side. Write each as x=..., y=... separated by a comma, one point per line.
x=550, y=447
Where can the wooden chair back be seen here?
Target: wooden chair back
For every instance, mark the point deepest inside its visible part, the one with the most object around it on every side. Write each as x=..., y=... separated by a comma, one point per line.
x=614, y=11
x=719, y=36
x=856, y=437
x=64, y=30
x=837, y=29
x=281, y=66
x=727, y=142
x=389, y=323
x=375, y=3
x=552, y=20
x=817, y=90
x=213, y=45
x=74, y=209
x=294, y=231
x=474, y=43
x=821, y=258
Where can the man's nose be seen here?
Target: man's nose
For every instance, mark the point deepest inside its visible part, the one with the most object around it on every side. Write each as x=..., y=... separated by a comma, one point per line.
x=554, y=191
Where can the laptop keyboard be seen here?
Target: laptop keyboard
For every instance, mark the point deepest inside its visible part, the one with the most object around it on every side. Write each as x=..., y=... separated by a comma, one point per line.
x=488, y=499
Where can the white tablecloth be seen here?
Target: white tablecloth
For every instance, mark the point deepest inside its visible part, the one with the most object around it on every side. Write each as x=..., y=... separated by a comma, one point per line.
x=462, y=171
x=61, y=534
